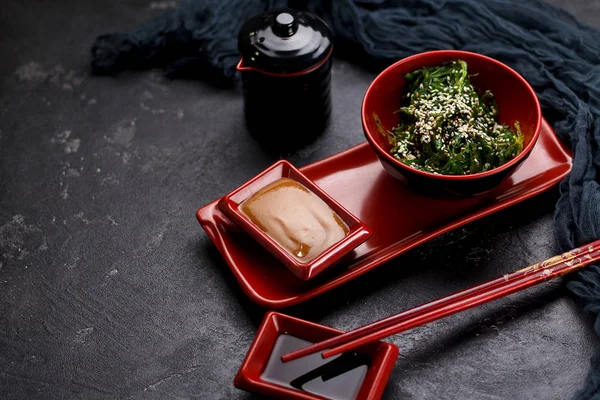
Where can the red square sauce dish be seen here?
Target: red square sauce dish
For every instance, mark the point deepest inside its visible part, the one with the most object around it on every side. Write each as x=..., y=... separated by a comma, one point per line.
x=359, y=375
x=294, y=219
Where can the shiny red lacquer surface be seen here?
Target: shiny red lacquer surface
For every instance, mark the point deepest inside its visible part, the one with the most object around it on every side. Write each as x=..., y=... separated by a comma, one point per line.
x=357, y=234
x=383, y=356
x=515, y=98
x=356, y=180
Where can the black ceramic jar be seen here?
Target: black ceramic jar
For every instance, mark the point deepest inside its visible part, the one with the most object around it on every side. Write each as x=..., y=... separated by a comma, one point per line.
x=286, y=74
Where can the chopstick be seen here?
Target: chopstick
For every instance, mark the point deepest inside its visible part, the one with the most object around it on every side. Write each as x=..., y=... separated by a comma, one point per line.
x=490, y=290
x=527, y=281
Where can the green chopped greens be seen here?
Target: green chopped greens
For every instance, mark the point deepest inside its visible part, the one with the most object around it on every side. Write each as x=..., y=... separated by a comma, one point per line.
x=446, y=127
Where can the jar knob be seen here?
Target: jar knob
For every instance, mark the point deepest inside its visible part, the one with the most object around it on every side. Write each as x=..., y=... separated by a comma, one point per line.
x=285, y=25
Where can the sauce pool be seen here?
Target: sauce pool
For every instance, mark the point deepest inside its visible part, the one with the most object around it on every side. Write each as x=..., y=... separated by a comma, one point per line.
x=296, y=218
x=339, y=377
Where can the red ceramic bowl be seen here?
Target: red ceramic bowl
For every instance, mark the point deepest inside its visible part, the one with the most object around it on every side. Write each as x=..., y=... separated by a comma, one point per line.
x=357, y=234
x=251, y=375
x=516, y=102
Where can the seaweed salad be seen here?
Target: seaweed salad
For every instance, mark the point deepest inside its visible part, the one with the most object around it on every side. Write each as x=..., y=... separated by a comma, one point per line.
x=447, y=127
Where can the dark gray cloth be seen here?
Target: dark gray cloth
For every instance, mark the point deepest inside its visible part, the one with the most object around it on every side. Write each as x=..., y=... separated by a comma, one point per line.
x=557, y=55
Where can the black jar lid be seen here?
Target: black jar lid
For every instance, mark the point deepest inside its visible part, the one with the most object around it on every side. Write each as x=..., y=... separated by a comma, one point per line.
x=284, y=41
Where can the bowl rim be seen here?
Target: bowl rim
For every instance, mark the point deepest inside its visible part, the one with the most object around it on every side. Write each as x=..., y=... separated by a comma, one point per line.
x=457, y=53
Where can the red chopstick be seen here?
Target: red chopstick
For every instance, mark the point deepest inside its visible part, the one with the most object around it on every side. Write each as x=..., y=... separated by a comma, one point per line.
x=470, y=302
x=498, y=287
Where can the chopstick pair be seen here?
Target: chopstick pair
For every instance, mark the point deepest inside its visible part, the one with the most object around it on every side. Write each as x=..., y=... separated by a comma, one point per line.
x=529, y=276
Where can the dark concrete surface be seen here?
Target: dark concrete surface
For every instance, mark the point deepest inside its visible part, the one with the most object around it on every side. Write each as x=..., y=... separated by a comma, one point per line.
x=110, y=289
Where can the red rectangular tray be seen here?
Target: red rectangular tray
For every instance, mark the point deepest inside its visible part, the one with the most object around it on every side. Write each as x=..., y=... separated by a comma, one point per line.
x=399, y=217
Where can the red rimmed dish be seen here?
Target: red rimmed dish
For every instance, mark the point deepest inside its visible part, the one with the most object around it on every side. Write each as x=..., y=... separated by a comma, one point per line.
x=357, y=233
x=515, y=98
x=263, y=372
x=355, y=178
